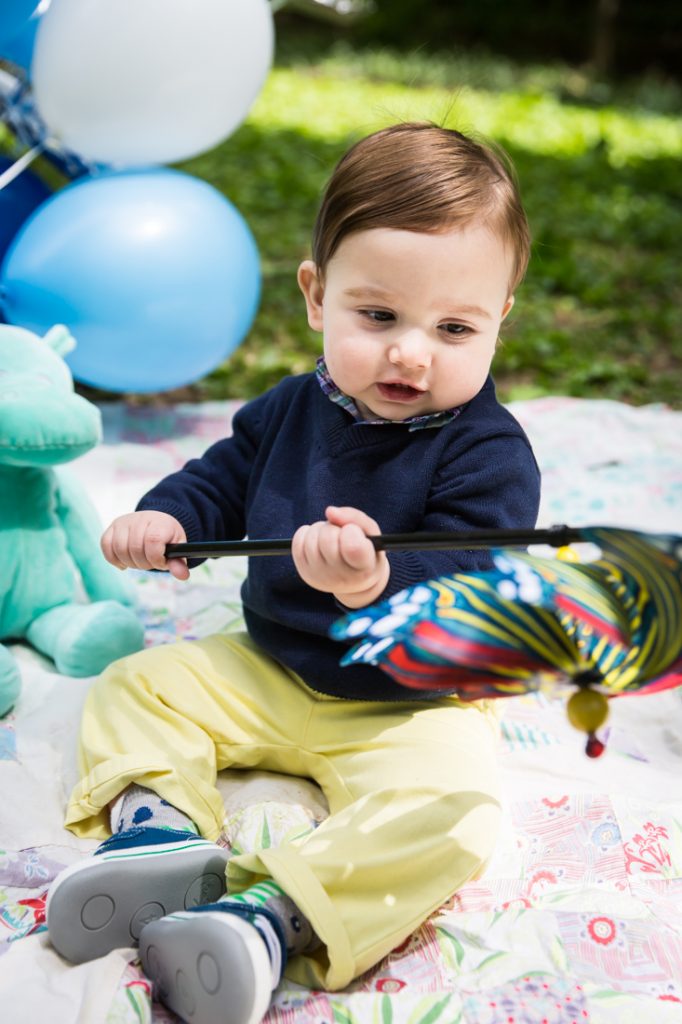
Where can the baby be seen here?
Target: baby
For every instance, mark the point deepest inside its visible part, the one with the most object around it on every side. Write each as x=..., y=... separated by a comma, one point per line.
x=418, y=248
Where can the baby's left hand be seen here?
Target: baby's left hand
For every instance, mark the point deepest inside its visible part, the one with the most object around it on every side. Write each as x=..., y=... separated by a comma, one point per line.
x=335, y=556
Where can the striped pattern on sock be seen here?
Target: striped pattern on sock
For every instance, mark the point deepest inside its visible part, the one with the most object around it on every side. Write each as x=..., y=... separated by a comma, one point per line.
x=298, y=932
x=259, y=893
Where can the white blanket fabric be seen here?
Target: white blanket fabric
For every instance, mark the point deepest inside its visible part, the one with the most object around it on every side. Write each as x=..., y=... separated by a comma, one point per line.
x=578, y=916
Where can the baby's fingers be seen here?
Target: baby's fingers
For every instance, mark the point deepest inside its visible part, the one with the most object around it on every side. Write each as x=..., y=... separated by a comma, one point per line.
x=156, y=536
x=305, y=544
x=149, y=546
x=138, y=541
x=298, y=544
x=108, y=548
x=177, y=567
x=355, y=548
x=125, y=550
x=345, y=515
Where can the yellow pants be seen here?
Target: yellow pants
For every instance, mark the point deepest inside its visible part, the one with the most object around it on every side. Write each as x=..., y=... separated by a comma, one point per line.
x=412, y=787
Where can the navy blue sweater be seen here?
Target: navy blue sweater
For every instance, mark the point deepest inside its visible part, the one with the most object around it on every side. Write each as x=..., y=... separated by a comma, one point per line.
x=293, y=452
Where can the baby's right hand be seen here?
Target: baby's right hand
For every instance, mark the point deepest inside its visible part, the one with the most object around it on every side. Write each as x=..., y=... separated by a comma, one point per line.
x=138, y=541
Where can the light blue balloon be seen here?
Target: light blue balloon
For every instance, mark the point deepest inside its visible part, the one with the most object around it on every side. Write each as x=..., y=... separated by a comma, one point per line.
x=12, y=15
x=154, y=272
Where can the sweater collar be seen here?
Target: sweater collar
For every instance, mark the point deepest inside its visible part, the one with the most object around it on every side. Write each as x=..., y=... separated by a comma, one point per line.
x=334, y=393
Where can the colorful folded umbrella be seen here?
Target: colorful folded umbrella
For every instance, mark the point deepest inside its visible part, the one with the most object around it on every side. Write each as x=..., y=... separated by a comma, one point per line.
x=606, y=628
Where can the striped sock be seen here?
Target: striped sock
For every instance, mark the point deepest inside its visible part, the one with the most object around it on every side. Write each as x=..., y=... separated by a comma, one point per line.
x=139, y=806
x=298, y=932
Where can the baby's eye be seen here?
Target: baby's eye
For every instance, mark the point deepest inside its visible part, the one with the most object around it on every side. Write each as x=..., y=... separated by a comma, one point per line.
x=456, y=330
x=378, y=316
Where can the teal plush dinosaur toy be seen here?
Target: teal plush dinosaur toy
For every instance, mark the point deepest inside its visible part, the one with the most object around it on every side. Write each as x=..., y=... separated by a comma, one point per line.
x=49, y=531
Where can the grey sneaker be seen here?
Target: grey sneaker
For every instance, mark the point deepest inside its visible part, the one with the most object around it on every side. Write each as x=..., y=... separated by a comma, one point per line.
x=136, y=876
x=216, y=965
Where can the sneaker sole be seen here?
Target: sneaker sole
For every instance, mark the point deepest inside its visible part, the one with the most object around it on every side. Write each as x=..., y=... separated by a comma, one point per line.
x=104, y=902
x=209, y=968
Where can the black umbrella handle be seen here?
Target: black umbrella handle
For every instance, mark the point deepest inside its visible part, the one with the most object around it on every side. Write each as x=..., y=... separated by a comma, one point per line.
x=556, y=536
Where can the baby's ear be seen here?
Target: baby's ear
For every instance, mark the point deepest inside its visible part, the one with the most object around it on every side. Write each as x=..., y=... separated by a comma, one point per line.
x=310, y=283
x=507, y=306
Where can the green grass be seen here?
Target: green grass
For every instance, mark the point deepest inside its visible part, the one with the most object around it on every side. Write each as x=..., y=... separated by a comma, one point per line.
x=599, y=167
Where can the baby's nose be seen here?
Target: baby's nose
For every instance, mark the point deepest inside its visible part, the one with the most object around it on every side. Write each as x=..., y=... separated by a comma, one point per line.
x=412, y=349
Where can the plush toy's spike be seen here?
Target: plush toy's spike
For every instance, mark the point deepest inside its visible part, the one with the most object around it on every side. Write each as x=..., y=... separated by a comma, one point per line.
x=60, y=339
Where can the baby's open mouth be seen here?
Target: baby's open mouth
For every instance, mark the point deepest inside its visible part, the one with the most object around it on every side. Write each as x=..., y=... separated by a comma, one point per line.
x=399, y=392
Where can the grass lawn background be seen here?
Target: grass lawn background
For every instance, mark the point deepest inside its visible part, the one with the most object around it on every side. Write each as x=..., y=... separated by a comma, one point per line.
x=599, y=166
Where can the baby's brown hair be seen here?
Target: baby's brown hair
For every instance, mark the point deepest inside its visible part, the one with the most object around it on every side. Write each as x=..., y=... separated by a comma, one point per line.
x=417, y=176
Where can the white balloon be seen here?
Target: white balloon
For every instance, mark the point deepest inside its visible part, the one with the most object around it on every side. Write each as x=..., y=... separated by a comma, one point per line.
x=135, y=82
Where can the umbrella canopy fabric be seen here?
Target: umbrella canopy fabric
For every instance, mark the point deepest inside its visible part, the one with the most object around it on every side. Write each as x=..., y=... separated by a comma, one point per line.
x=614, y=624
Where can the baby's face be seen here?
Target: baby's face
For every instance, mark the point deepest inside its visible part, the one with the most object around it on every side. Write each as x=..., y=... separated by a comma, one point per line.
x=410, y=320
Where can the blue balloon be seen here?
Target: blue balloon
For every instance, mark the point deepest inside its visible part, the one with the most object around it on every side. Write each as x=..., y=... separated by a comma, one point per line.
x=13, y=13
x=19, y=47
x=17, y=201
x=154, y=272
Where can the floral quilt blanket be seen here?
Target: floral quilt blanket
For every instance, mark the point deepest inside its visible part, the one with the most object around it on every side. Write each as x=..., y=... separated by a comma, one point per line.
x=579, y=916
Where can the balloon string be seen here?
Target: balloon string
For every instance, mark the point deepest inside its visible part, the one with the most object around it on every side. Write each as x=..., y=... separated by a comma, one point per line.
x=8, y=176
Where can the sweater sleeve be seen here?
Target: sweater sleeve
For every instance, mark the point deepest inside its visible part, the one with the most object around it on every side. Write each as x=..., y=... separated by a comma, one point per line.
x=495, y=483
x=208, y=495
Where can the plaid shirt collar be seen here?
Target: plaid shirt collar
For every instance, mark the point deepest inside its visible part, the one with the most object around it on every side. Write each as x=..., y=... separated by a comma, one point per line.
x=432, y=419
